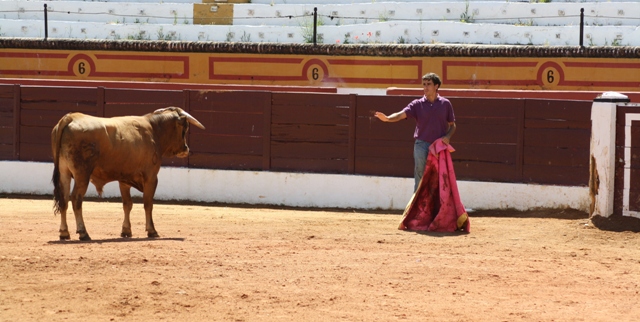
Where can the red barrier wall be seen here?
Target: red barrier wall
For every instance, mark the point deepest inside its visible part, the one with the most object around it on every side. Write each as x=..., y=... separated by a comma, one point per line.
x=498, y=139
x=529, y=94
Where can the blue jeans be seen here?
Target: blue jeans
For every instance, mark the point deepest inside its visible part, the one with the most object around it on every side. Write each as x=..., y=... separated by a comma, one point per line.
x=420, y=153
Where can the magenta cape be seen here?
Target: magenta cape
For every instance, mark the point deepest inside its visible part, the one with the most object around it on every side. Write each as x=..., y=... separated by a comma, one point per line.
x=436, y=205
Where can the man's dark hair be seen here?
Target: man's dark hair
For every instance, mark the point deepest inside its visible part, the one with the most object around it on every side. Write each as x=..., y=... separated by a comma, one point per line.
x=433, y=77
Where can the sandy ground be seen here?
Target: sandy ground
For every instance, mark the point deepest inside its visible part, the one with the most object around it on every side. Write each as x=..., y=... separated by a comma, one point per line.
x=231, y=263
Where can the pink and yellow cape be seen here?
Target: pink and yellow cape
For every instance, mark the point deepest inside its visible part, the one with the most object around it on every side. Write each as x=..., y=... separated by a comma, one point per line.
x=436, y=205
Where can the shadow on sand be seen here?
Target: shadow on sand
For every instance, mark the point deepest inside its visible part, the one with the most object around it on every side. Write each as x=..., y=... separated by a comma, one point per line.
x=616, y=223
x=111, y=240
x=439, y=234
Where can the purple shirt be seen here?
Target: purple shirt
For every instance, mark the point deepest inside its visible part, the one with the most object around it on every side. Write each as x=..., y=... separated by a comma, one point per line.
x=432, y=119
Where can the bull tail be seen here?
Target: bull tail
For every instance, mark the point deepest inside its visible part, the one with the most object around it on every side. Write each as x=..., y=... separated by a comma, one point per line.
x=56, y=144
x=57, y=191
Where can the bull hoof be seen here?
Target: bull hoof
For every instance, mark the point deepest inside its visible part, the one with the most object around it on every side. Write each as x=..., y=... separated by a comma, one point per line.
x=64, y=235
x=83, y=235
x=125, y=232
x=153, y=235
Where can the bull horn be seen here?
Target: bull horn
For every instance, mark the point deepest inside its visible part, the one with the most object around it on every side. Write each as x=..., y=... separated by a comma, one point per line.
x=192, y=119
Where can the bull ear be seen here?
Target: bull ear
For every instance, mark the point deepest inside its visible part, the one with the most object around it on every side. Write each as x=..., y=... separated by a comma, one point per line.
x=191, y=119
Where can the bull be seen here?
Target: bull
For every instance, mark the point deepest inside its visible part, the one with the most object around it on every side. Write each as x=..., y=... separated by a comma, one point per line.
x=127, y=149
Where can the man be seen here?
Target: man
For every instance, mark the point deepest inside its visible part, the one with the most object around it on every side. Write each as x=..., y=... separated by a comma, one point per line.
x=434, y=119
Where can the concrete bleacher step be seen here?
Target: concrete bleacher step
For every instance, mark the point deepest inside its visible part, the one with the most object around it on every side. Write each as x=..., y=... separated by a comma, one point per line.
x=485, y=22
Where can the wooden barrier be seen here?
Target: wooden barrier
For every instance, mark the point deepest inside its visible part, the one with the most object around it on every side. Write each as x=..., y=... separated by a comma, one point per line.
x=494, y=93
x=237, y=130
x=502, y=140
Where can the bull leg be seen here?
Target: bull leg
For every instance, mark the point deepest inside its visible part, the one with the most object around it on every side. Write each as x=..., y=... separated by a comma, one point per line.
x=77, y=196
x=65, y=183
x=127, y=205
x=147, y=196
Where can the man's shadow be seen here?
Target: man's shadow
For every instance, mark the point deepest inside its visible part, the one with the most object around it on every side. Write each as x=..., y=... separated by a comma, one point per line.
x=439, y=234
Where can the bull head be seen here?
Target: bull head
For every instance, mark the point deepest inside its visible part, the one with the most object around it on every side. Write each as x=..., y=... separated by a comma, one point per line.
x=177, y=145
x=181, y=112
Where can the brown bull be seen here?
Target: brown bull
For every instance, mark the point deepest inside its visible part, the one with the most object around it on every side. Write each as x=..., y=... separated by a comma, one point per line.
x=126, y=149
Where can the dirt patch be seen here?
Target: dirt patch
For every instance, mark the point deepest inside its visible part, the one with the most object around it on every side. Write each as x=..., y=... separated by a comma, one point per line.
x=224, y=263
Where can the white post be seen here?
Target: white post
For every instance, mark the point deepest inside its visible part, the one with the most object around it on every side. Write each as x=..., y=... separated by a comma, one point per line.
x=603, y=145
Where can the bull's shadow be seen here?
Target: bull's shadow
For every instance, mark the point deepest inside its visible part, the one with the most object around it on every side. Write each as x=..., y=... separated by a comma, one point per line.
x=112, y=240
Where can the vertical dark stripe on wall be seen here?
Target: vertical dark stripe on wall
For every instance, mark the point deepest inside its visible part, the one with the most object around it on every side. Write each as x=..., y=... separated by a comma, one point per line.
x=520, y=142
x=100, y=101
x=266, y=135
x=186, y=101
x=16, y=121
x=353, y=116
x=186, y=106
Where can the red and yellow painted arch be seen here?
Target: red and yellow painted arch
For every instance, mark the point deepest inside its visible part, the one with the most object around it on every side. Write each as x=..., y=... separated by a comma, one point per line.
x=515, y=73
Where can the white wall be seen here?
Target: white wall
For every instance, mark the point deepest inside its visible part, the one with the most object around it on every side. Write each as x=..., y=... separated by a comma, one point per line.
x=491, y=22
x=304, y=189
